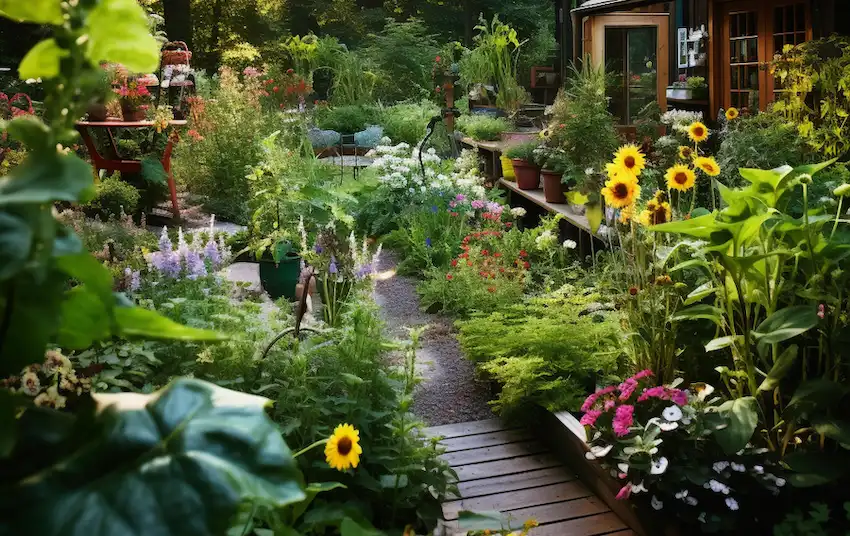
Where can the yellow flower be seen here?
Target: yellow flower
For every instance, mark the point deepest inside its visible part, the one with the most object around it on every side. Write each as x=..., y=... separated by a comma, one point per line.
x=630, y=159
x=698, y=132
x=530, y=524
x=343, y=448
x=612, y=170
x=621, y=191
x=627, y=213
x=680, y=177
x=545, y=134
x=732, y=113
x=656, y=213
x=660, y=196
x=708, y=165
x=685, y=152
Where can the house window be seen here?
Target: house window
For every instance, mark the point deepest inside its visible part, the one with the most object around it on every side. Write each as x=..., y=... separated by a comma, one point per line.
x=630, y=56
x=752, y=32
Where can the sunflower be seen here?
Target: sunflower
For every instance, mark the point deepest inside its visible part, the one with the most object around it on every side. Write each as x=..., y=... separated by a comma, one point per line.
x=698, y=132
x=680, y=177
x=732, y=113
x=612, y=169
x=343, y=448
x=627, y=213
x=621, y=191
x=685, y=152
x=656, y=213
x=631, y=159
x=660, y=196
x=708, y=165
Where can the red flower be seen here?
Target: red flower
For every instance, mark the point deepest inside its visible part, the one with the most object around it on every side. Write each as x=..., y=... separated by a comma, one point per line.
x=483, y=274
x=454, y=262
x=526, y=265
x=453, y=214
x=523, y=253
x=491, y=289
x=270, y=81
x=469, y=263
x=485, y=252
x=497, y=255
x=465, y=255
x=501, y=270
x=437, y=89
x=508, y=224
x=276, y=89
x=437, y=58
x=290, y=71
x=449, y=277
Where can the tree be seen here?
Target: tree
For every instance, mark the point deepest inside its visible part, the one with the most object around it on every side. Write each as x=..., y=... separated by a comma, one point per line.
x=178, y=20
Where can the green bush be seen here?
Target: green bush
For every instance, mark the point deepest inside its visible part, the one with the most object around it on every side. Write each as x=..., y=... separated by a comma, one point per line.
x=407, y=122
x=112, y=196
x=523, y=151
x=346, y=119
x=482, y=127
x=403, y=53
x=545, y=351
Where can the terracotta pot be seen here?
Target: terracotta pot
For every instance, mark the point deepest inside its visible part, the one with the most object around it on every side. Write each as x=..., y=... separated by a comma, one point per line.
x=527, y=175
x=131, y=113
x=553, y=188
x=97, y=112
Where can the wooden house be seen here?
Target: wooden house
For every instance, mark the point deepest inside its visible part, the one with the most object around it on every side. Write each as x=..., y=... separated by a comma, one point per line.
x=649, y=45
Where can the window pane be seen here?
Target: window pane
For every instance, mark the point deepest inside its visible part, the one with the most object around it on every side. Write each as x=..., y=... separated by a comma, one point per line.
x=615, y=49
x=800, y=18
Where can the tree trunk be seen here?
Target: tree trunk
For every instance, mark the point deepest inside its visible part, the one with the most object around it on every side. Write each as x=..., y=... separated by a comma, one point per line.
x=178, y=20
x=215, y=36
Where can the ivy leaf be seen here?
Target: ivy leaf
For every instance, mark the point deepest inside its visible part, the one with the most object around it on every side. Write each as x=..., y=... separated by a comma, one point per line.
x=140, y=322
x=35, y=11
x=179, y=461
x=50, y=177
x=42, y=61
x=742, y=419
x=15, y=244
x=118, y=33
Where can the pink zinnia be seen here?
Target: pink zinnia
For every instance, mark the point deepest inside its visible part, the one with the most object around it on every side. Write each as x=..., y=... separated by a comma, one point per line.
x=623, y=419
x=625, y=492
x=679, y=397
x=651, y=392
x=589, y=418
x=606, y=390
x=589, y=401
x=627, y=388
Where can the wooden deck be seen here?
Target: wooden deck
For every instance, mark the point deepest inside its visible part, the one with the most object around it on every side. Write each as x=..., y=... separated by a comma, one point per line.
x=506, y=469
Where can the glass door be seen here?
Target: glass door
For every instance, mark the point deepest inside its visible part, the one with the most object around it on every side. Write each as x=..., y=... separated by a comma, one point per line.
x=631, y=56
x=744, y=56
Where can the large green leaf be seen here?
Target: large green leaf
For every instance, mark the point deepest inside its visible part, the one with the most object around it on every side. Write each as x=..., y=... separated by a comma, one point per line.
x=85, y=319
x=29, y=130
x=769, y=177
x=742, y=418
x=50, y=177
x=36, y=11
x=833, y=428
x=780, y=368
x=721, y=342
x=177, y=462
x=700, y=227
x=787, y=323
x=695, y=312
x=118, y=32
x=88, y=271
x=140, y=322
x=42, y=61
x=813, y=398
x=349, y=527
x=15, y=244
x=33, y=308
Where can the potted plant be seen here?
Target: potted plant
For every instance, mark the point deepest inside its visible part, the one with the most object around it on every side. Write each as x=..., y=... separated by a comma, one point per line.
x=555, y=163
x=134, y=98
x=525, y=168
x=280, y=264
x=688, y=88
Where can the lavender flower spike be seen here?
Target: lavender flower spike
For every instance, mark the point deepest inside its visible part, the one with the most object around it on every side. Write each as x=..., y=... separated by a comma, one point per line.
x=332, y=269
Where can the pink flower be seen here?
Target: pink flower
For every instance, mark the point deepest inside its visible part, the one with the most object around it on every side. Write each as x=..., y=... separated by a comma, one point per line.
x=643, y=374
x=651, y=392
x=609, y=404
x=478, y=204
x=589, y=401
x=606, y=390
x=627, y=389
x=624, y=492
x=820, y=311
x=589, y=418
x=679, y=397
x=623, y=419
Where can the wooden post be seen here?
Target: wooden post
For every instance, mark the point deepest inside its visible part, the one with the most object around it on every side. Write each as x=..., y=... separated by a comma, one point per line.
x=450, y=103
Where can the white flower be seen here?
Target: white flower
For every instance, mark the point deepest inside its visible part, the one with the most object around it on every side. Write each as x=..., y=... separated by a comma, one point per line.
x=518, y=212
x=682, y=494
x=758, y=469
x=691, y=501
x=718, y=487
x=638, y=488
x=663, y=425
x=30, y=384
x=701, y=517
x=588, y=171
x=780, y=482
x=658, y=467
x=738, y=467
x=731, y=503
x=623, y=467
x=719, y=467
x=656, y=503
x=704, y=392
x=601, y=452
x=569, y=244
x=672, y=414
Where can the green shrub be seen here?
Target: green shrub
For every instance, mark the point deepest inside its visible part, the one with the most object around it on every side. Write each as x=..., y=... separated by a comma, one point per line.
x=403, y=53
x=483, y=127
x=346, y=119
x=407, y=122
x=112, y=196
x=544, y=351
x=523, y=151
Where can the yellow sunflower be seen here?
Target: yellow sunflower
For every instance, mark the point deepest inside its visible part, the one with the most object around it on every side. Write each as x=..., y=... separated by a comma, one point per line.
x=732, y=113
x=680, y=177
x=627, y=213
x=656, y=213
x=708, y=165
x=343, y=450
x=621, y=191
x=660, y=196
x=630, y=159
x=698, y=132
x=685, y=152
x=612, y=169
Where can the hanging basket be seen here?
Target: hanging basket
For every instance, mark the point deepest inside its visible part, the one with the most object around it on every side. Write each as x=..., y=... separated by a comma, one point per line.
x=176, y=53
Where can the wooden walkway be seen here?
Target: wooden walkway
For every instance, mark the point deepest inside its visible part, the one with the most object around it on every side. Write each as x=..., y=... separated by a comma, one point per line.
x=506, y=469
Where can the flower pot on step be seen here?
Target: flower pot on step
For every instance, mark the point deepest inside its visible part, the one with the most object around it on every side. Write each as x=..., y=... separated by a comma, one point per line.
x=527, y=175
x=553, y=188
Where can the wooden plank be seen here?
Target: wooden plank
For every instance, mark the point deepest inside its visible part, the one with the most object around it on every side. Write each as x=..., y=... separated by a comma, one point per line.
x=583, y=526
x=502, y=467
x=498, y=452
x=537, y=197
x=499, y=484
x=626, y=532
x=513, y=500
x=448, y=431
x=485, y=440
x=560, y=511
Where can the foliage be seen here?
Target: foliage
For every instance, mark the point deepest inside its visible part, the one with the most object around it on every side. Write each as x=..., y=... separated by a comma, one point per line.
x=406, y=122
x=346, y=119
x=523, y=347
x=112, y=197
x=818, y=67
x=671, y=447
x=402, y=53
x=817, y=521
x=523, y=151
x=482, y=127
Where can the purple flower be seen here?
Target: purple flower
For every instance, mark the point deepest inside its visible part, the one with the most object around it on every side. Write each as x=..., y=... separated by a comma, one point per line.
x=495, y=207
x=364, y=272
x=623, y=419
x=165, y=242
x=434, y=209
x=332, y=269
x=428, y=242
x=195, y=265
x=460, y=197
x=211, y=253
x=167, y=263
x=318, y=248
x=478, y=204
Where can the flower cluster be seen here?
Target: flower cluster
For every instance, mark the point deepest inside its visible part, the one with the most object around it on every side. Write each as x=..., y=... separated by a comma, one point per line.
x=50, y=383
x=290, y=89
x=190, y=259
x=342, y=259
x=133, y=93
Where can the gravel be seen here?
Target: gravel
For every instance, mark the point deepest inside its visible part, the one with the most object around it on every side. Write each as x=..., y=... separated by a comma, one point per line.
x=449, y=392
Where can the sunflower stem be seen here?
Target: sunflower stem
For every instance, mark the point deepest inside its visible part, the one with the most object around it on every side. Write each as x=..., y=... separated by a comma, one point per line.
x=311, y=447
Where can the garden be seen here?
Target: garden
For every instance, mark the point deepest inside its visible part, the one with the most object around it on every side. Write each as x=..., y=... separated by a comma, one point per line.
x=699, y=333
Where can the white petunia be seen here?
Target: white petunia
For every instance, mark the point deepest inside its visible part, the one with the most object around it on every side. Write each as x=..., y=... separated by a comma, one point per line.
x=623, y=467
x=656, y=503
x=659, y=466
x=718, y=487
x=738, y=467
x=731, y=503
x=601, y=452
x=691, y=501
x=672, y=414
x=638, y=488
x=569, y=244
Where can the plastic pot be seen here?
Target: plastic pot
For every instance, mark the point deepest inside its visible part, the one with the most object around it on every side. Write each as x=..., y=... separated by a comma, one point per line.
x=553, y=188
x=507, y=168
x=279, y=279
x=527, y=175
x=132, y=113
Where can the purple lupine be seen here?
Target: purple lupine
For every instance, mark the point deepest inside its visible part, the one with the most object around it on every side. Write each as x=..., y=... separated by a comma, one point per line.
x=364, y=272
x=211, y=254
x=167, y=263
x=195, y=265
x=332, y=269
x=165, y=242
x=135, y=281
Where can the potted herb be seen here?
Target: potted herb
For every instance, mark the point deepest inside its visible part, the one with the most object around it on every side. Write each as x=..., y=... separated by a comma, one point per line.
x=525, y=168
x=688, y=88
x=134, y=98
x=555, y=164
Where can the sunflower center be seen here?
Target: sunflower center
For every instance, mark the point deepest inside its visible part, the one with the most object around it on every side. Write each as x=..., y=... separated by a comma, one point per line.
x=621, y=190
x=344, y=445
x=629, y=161
x=680, y=178
x=698, y=132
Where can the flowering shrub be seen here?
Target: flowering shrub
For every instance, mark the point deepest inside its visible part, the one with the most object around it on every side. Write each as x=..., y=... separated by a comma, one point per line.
x=663, y=443
x=133, y=94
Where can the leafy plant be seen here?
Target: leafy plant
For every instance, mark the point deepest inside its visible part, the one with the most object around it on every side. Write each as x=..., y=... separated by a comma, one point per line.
x=523, y=151
x=113, y=197
x=403, y=52
x=483, y=127
x=818, y=520
x=346, y=119
x=406, y=123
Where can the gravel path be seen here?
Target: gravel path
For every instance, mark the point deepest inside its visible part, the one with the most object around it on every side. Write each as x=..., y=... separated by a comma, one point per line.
x=449, y=392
